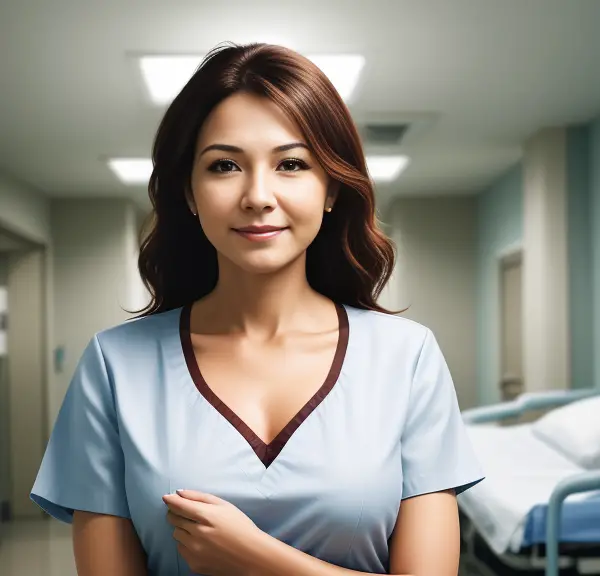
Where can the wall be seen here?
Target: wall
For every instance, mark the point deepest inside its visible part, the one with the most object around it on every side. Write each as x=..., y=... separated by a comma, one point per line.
x=84, y=263
x=595, y=240
x=4, y=400
x=94, y=277
x=138, y=295
x=24, y=211
x=583, y=158
x=559, y=229
x=435, y=276
x=546, y=325
x=25, y=214
x=27, y=374
x=580, y=256
x=500, y=228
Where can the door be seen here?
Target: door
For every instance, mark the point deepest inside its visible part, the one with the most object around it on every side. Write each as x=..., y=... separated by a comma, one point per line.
x=22, y=372
x=511, y=384
x=4, y=393
x=26, y=375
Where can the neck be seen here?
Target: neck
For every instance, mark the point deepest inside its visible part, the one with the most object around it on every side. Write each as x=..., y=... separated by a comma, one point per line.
x=265, y=305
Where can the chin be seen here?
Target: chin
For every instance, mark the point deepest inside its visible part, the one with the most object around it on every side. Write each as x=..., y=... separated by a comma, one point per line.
x=264, y=264
x=262, y=268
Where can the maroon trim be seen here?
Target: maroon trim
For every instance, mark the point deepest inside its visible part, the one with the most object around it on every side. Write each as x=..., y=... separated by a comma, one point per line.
x=265, y=452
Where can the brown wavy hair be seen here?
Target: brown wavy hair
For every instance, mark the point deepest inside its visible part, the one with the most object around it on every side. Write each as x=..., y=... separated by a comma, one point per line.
x=350, y=260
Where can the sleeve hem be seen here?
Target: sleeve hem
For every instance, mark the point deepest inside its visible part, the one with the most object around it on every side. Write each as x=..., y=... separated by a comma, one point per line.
x=458, y=486
x=62, y=510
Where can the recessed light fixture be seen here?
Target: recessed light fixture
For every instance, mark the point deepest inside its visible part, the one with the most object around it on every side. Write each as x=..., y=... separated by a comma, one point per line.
x=386, y=168
x=343, y=70
x=131, y=171
x=165, y=76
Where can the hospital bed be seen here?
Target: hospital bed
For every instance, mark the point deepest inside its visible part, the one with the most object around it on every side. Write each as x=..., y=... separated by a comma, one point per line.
x=537, y=511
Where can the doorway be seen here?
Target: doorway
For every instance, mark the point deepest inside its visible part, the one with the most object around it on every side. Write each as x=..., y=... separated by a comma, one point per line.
x=22, y=371
x=511, y=324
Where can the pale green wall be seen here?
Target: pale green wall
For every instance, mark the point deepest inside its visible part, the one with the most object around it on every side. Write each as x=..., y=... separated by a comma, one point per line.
x=500, y=227
x=595, y=237
x=579, y=178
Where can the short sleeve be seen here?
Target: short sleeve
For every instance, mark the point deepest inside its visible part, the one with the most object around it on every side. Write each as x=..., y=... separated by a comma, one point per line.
x=436, y=451
x=82, y=467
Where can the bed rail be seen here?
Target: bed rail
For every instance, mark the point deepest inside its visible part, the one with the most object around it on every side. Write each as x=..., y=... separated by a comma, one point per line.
x=524, y=403
x=584, y=482
x=579, y=483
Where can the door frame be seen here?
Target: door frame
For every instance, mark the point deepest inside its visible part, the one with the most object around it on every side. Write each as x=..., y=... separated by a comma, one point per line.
x=22, y=467
x=512, y=254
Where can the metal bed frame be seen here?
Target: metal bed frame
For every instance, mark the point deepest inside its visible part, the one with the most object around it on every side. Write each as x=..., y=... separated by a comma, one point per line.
x=583, y=482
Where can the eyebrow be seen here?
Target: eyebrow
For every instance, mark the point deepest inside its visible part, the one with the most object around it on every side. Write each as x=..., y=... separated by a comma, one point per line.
x=230, y=148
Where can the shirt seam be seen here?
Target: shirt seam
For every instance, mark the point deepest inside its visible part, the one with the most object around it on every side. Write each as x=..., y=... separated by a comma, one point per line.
x=412, y=381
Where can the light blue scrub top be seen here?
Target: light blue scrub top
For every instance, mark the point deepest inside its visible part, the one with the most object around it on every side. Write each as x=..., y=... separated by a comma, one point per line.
x=138, y=421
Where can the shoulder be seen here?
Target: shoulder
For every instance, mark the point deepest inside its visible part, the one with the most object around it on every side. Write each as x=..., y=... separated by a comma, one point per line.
x=139, y=334
x=390, y=331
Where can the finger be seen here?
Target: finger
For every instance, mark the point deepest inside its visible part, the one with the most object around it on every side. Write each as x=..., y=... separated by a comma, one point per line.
x=181, y=522
x=183, y=537
x=185, y=508
x=200, y=497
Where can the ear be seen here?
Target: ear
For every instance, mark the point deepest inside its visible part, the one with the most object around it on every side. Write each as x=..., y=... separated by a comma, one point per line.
x=189, y=199
x=332, y=194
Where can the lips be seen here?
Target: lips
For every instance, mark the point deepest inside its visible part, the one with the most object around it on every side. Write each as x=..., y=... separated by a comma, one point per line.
x=260, y=233
x=259, y=229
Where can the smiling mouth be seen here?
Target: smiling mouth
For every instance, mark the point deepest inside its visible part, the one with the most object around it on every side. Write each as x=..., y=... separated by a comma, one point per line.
x=259, y=233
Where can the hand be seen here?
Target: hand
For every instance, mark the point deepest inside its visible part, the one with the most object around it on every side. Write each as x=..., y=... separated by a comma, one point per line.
x=214, y=537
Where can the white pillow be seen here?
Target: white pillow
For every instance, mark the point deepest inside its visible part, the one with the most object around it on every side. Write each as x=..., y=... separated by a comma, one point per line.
x=573, y=430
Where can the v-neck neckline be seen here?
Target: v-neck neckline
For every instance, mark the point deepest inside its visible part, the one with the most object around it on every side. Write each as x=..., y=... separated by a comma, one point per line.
x=266, y=452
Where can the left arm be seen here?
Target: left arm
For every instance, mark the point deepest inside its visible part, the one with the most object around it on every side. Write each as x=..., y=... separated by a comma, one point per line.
x=216, y=538
x=275, y=558
x=426, y=539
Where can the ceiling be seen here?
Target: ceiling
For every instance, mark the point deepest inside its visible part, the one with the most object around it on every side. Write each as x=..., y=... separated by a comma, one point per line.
x=473, y=78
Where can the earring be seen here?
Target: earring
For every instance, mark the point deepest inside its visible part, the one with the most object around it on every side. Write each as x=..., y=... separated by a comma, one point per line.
x=328, y=209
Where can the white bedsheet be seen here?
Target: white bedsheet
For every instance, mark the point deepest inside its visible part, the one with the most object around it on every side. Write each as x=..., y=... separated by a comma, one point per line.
x=521, y=471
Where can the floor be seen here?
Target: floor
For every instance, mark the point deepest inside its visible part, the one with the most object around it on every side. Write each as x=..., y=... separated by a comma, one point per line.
x=32, y=548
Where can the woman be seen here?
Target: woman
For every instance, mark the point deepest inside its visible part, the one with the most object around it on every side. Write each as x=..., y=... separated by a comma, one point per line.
x=313, y=432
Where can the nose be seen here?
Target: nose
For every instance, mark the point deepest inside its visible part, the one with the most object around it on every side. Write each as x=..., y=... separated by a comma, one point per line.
x=258, y=195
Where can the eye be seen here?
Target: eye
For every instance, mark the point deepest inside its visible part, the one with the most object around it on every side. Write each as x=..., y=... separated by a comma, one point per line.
x=291, y=163
x=223, y=166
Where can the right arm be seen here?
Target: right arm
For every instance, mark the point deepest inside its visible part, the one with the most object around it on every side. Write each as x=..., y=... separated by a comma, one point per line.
x=85, y=438
x=105, y=544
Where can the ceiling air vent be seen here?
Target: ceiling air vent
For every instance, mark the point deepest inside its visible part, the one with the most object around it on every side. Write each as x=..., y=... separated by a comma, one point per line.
x=384, y=134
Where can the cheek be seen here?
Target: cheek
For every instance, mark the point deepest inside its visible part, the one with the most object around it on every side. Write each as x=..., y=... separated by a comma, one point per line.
x=304, y=205
x=309, y=224
x=214, y=212
x=306, y=220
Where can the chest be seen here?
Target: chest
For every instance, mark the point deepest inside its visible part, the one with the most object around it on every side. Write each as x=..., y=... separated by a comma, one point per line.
x=329, y=482
x=334, y=488
x=265, y=385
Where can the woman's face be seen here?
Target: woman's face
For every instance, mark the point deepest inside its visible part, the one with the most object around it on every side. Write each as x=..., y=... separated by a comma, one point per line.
x=253, y=170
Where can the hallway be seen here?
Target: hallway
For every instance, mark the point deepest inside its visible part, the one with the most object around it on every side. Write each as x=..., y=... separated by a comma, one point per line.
x=31, y=548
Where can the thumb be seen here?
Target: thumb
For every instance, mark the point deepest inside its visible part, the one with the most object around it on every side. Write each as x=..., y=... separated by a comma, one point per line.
x=200, y=496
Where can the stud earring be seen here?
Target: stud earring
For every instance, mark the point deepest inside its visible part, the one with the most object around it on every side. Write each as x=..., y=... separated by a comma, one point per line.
x=328, y=209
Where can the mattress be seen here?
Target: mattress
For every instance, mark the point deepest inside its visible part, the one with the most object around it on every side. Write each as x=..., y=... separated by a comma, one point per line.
x=580, y=522
x=508, y=508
